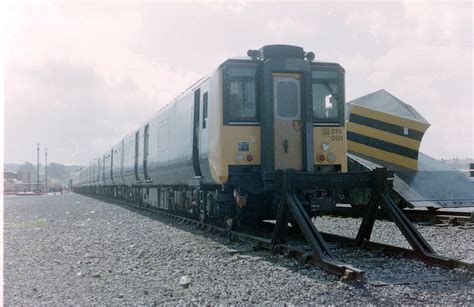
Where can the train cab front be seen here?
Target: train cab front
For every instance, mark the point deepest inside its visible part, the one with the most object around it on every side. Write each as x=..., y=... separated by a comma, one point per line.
x=282, y=110
x=303, y=102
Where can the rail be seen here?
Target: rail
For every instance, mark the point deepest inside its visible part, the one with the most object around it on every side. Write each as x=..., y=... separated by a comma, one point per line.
x=286, y=184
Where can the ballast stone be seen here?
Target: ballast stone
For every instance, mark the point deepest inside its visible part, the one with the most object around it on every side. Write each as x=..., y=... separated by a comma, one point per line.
x=185, y=281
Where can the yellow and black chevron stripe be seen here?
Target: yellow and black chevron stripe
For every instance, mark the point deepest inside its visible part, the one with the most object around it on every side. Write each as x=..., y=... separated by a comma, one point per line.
x=384, y=137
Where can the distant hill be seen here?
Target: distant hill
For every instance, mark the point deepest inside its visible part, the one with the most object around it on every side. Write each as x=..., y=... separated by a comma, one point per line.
x=12, y=166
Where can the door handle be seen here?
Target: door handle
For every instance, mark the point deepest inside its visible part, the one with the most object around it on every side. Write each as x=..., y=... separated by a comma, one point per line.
x=285, y=145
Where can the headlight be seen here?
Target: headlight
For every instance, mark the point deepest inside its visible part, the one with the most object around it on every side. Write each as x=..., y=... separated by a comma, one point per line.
x=325, y=146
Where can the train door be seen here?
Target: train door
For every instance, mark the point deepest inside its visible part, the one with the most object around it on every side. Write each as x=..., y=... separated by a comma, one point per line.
x=197, y=100
x=137, y=152
x=287, y=119
x=203, y=138
x=103, y=168
x=112, y=165
x=93, y=172
x=122, y=158
x=98, y=170
x=146, y=138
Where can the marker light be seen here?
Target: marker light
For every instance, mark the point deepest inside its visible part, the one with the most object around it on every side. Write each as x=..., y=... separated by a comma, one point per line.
x=254, y=54
x=249, y=158
x=321, y=157
x=331, y=157
x=310, y=56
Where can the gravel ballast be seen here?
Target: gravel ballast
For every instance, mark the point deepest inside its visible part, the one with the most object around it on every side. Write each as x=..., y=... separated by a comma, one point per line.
x=72, y=249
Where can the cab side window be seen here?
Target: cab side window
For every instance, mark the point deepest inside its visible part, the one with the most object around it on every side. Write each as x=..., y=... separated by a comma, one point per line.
x=240, y=96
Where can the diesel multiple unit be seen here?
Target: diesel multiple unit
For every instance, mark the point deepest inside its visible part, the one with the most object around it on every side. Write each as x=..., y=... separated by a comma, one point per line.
x=206, y=151
x=264, y=137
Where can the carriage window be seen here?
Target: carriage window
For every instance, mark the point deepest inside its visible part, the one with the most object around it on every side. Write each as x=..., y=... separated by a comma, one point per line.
x=163, y=136
x=241, y=95
x=325, y=101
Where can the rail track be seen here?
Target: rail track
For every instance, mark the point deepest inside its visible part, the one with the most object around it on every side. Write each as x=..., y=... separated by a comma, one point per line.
x=297, y=249
x=437, y=217
x=422, y=216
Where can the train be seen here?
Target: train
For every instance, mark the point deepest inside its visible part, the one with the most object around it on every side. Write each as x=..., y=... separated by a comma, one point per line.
x=206, y=152
x=269, y=136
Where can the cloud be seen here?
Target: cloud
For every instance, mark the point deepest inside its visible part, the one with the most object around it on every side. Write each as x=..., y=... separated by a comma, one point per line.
x=426, y=60
x=442, y=97
x=440, y=23
x=85, y=74
x=72, y=73
x=286, y=25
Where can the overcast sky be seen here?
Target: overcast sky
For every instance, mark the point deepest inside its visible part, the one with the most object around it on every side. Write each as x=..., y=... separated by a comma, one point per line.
x=80, y=76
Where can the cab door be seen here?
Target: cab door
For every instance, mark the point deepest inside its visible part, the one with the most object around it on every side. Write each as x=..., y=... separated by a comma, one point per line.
x=287, y=121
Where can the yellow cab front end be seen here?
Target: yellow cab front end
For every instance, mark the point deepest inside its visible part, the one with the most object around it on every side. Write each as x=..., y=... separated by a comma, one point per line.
x=278, y=110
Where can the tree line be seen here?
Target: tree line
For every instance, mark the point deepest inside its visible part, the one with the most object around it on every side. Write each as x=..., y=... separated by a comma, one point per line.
x=55, y=171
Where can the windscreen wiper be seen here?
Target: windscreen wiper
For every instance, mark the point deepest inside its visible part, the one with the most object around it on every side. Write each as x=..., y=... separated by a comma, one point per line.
x=333, y=93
